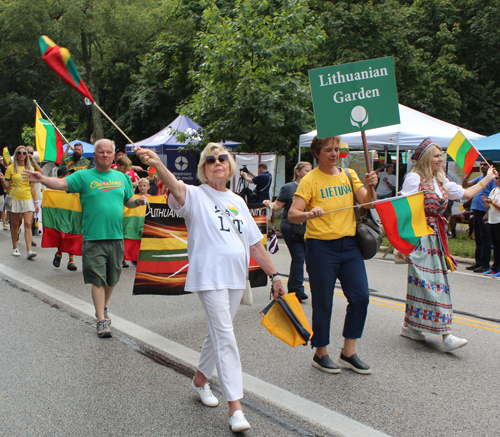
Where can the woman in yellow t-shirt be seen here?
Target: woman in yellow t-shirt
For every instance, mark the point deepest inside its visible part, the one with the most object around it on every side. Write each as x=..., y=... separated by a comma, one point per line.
x=332, y=250
x=24, y=201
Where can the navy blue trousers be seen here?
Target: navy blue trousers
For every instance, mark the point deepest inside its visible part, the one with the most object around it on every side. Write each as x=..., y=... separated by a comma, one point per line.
x=297, y=253
x=482, y=237
x=327, y=260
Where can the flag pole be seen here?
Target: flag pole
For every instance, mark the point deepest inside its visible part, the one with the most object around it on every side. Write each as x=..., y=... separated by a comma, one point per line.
x=114, y=124
x=47, y=117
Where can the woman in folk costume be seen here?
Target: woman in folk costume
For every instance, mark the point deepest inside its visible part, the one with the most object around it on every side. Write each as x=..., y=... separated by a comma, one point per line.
x=428, y=299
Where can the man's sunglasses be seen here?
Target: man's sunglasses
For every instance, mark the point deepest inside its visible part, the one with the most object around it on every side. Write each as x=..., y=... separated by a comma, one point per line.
x=21, y=153
x=210, y=159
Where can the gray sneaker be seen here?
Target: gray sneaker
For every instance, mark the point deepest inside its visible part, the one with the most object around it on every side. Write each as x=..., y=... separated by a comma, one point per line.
x=103, y=330
x=106, y=316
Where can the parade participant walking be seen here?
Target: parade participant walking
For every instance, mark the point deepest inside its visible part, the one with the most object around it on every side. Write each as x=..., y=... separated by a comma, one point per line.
x=103, y=192
x=76, y=161
x=62, y=172
x=24, y=201
x=481, y=233
x=220, y=242
x=297, y=249
x=428, y=289
x=332, y=250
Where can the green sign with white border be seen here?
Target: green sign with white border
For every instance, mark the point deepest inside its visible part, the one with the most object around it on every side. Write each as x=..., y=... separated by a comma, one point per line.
x=354, y=97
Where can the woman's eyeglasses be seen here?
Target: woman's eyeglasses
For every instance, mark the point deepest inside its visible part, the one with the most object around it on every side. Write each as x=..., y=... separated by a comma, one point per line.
x=210, y=159
x=21, y=153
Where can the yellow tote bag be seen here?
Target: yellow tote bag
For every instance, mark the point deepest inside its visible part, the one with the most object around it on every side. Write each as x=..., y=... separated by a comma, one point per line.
x=286, y=320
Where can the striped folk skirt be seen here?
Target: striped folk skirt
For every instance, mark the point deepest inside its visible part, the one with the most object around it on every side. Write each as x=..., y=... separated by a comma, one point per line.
x=428, y=300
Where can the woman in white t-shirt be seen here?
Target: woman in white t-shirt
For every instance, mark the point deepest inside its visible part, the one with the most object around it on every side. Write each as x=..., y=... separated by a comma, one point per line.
x=493, y=205
x=218, y=263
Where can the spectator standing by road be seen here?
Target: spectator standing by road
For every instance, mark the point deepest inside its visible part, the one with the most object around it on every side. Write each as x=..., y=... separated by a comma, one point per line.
x=262, y=182
x=481, y=233
x=332, y=250
x=103, y=193
x=386, y=181
x=3, y=215
x=24, y=202
x=297, y=249
x=220, y=242
x=428, y=298
x=492, y=202
x=76, y=161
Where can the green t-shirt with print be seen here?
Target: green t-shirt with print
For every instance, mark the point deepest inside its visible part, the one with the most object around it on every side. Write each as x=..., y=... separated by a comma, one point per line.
x=102, y=195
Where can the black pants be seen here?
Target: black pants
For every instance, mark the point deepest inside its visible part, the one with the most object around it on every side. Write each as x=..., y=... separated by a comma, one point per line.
x=495, y=239
x=483, y=242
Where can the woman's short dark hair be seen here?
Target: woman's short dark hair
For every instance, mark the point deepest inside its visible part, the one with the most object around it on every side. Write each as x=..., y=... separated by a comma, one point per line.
x=317, y=144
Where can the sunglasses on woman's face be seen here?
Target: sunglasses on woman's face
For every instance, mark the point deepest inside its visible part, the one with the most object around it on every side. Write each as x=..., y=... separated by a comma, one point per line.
x=21, y=153
x=210, y=159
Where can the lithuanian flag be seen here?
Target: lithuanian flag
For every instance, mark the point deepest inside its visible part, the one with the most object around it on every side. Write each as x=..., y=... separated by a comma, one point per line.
x=404, y=221
x=344, y=150
x=6, y=156
x=59, y=59
x=62, y=221
x=462, y=152
x=48, y=140
x=133, y=225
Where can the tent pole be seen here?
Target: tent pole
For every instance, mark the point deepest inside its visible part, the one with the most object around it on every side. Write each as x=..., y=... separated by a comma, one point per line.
x=299, y=152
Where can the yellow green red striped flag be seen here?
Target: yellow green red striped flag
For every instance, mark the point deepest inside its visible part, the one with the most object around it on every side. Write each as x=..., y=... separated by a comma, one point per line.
x=404, y=221
x=462, y=152
x=6, y=156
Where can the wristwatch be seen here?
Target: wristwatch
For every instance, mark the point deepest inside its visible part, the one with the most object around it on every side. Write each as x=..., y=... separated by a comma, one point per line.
x=274, y=278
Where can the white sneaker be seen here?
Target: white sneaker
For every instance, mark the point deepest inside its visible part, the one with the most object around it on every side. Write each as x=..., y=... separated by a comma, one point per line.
x=451, y=343
x=16, y=252
x=206, y=395
x=411, y=333
x=31, y=255
x=238, y=422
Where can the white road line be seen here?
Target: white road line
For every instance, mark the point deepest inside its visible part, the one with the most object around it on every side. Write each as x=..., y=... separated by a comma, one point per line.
x=308, y=410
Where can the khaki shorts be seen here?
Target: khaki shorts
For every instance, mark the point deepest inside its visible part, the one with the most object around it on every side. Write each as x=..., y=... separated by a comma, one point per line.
x=102, y=262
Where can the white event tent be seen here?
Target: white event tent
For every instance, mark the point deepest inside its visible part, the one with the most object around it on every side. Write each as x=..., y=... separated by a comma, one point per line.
x=414, y=127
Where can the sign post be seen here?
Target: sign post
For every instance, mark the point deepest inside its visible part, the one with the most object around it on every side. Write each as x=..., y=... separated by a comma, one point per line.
x=354, y=97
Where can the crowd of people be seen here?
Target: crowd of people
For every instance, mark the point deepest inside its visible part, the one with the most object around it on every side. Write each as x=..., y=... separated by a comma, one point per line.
x=221, y=231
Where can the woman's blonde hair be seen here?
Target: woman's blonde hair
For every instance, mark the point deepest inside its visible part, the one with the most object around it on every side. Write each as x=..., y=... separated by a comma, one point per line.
x=424, y=170
x=210, y=149
x=299, y=167
x=27, y=163
x=123, y=160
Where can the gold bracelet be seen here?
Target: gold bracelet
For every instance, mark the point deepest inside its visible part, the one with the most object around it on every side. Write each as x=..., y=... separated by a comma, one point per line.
x=481, y=183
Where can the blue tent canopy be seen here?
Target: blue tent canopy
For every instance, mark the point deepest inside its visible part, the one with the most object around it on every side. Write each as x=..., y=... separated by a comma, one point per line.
x=489, y=147
x=166, y=139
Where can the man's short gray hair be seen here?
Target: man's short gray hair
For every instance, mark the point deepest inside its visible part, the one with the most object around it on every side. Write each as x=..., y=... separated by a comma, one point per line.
x=100, y=141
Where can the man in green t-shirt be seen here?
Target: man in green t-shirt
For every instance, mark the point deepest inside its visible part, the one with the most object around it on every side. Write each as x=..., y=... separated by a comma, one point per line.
x=103, y=192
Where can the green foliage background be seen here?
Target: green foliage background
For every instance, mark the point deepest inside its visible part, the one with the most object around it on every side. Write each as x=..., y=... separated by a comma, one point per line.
x=239, y=68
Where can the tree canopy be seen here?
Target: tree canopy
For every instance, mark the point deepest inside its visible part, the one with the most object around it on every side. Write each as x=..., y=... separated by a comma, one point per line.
x=239, y=68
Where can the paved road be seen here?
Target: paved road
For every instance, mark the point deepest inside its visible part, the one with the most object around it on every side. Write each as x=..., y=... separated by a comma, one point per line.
x=59, y=379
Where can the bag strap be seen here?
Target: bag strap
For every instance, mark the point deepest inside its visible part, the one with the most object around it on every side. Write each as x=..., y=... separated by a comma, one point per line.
x=356, y=210
x=15, y=191
x=267, y=186
x=205, y=190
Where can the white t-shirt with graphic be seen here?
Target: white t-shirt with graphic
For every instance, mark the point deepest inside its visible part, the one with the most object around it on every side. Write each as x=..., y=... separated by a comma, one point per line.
x=216, y=254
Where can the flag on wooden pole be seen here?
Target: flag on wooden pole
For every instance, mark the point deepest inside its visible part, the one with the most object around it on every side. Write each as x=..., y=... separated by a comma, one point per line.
x=404, y=221
x=462, y=152
x=49, y=144
x=6, y=156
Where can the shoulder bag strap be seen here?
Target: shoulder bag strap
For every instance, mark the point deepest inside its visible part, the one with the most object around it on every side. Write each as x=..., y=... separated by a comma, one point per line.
x=15, y=191
x=356, y=210
x=223, y=211
x=267, y=186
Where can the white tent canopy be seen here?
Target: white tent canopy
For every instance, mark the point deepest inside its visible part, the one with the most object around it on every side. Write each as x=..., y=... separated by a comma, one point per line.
x=414, y=127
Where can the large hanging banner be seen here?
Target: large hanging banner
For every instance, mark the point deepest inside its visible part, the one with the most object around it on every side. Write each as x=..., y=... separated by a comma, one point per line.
x=163, y=258
x=354, y=97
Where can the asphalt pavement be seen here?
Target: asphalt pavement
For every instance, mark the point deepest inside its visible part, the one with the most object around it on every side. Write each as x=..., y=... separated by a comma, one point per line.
x=59, y=379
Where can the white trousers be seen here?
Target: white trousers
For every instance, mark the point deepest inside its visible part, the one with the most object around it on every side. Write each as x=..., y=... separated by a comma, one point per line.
x=219, y=348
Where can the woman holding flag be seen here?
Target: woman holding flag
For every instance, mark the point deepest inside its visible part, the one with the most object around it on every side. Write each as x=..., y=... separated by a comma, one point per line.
x=428, y=300
x=23, y=194
x=332, y=250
